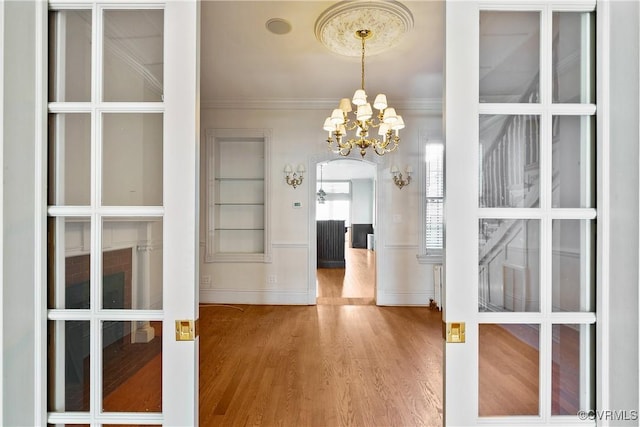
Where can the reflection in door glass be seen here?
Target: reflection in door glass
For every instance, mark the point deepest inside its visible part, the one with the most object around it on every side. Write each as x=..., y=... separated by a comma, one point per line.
x=70, y=55
x=573, y=370
x=573, y=265
x=510, y=161
x=133, y=55
x=509, y=265
x=131, y=366
x=573, y=59
x=509, y=56
x=508, y=369
x=132, y=263
x=69, y=159
x=69, y=366
x=132, y=159
x=573, y=159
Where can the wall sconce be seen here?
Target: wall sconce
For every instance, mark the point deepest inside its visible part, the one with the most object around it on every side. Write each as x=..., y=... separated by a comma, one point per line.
x=397, y=176
x=294, y=178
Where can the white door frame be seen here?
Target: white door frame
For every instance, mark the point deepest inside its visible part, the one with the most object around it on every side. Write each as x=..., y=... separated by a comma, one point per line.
x=312, y=290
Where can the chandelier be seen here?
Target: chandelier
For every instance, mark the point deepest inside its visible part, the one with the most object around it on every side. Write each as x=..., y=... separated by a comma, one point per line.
x=321, y=195
x=381, y=133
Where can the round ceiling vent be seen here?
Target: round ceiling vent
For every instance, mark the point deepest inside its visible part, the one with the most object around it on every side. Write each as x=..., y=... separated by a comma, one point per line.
x=278, y=26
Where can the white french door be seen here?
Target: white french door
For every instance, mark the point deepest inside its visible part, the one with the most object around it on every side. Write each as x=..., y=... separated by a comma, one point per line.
x=521, y=211
x=122, y=205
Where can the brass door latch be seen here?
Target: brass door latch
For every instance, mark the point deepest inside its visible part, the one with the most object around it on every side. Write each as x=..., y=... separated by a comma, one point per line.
x=186, y=330
x=453, y=332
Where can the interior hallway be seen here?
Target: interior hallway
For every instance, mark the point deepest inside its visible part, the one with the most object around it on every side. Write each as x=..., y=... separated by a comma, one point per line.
x=353, y=285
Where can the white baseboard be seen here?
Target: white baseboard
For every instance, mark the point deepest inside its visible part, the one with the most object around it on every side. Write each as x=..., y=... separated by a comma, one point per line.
x=405, y=298
x=264, y=297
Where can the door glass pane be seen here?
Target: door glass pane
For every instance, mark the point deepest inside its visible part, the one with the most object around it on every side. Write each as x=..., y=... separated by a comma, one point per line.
x=133, y=55
x=509, y=159
x=69, y=159
x=132, y=263
x=573, y=60
x=131, y=367
x=573, y=369
x=573, y=161
x=68, y=366
x=70, y=273
x=573, y=263
x=509, y=56
x=509, y=362
x=132, y=159
x=70, y=56
x=509, y=265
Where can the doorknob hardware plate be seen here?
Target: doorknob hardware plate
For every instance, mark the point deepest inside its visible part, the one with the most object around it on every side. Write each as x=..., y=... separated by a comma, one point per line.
x=187, y=330
x=453, y=332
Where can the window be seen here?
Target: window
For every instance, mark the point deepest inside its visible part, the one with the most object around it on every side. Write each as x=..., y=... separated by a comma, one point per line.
x=337, y=204
x=434, y=191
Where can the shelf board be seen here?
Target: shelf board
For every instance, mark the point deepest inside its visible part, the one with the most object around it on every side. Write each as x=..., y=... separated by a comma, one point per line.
x=239, y=229
x=238, y=204
x=239, y=179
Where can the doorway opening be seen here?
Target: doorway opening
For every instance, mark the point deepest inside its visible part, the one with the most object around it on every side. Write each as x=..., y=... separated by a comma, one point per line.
x=345, y=216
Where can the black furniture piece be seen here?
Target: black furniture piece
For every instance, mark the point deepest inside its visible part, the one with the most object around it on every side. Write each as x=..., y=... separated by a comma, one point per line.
x=330, y=243
x=359, y=234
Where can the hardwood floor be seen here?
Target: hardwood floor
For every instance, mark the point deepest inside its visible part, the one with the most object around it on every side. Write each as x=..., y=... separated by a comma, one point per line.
x=353, y=285
x=324, y=365
x=345, y=363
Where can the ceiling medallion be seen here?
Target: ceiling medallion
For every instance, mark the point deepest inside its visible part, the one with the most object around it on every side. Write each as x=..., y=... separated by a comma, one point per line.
x=388, y=21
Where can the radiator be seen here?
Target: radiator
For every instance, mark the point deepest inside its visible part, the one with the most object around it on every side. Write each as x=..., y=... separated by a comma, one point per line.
x=437, y=284
x=330, y=244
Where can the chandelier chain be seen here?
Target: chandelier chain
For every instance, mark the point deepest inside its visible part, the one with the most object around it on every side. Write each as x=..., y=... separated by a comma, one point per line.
x=362, y=61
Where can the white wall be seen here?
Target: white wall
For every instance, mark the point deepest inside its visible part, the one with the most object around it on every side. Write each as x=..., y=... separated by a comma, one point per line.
x=623, y=279
x=362, y=199
x=19, y=355
x=297, y=137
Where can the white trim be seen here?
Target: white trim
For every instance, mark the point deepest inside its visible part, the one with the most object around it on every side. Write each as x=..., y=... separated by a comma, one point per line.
x=603, y=301
x=428, y=105
x=40, y=205
x=290, y=245
x=538, y=109
x=379, y=253
x=106, y=107
x=212, y=135
x=417, y=299
x=2, y=34
x=146, y=418
x=266, y=297
x=105, y=314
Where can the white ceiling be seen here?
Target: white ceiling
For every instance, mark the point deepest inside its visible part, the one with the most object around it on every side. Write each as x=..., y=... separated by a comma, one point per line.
x=242, y=62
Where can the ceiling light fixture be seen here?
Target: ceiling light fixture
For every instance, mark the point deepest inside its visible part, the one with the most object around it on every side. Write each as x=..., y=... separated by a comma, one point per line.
x=387, y=121
x=321, y=195
x=382, y=24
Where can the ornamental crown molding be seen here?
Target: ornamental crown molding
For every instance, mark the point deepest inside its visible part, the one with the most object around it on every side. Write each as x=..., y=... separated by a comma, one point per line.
x=388, y=21
x=432, y=105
